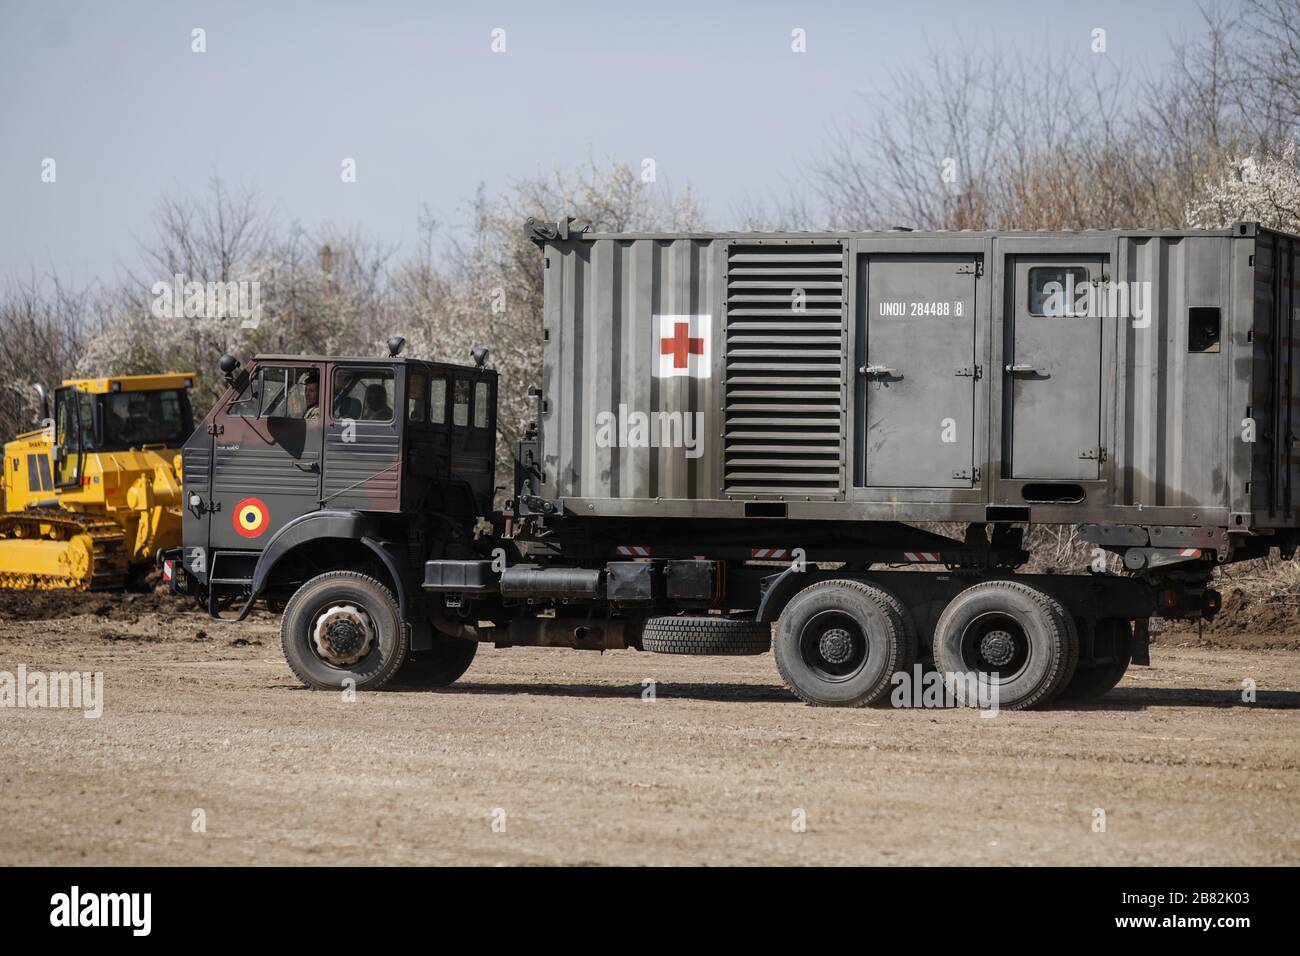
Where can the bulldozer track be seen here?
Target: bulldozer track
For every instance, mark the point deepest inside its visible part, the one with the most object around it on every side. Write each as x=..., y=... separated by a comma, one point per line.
x=109, y=554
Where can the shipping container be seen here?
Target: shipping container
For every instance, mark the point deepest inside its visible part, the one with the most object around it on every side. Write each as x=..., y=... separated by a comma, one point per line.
x=1138, y=378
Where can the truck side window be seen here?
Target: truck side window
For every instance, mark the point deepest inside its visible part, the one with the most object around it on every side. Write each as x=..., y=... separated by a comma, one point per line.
x=245, y=403
x=417, y=393
x=481, y=405
x=1054, y=290
x=364, y=393
x=460, y=403
x=438, y=400
x=290, y=393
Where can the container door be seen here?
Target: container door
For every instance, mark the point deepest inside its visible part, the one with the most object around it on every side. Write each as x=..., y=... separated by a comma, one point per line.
x=1053, y=368
x=266, y=457
x=919, y=371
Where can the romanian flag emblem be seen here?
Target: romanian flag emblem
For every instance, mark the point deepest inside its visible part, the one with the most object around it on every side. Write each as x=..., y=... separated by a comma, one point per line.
x=251, y=517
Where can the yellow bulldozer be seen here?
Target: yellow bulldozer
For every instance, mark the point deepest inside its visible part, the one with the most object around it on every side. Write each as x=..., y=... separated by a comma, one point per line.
x=90, y=498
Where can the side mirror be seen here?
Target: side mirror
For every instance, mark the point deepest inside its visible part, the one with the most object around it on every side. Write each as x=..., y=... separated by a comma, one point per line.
x=228, y=365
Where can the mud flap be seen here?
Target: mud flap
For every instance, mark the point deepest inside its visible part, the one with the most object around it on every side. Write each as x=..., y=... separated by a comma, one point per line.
x=1142, y=642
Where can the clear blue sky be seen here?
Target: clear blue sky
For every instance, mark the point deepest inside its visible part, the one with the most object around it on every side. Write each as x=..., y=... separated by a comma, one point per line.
x=415, y=94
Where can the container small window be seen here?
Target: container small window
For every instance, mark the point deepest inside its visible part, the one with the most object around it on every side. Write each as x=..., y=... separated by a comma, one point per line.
x=1056, y=291
x=1203, y=329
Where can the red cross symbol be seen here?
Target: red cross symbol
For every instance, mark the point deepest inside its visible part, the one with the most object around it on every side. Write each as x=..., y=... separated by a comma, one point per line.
x=681, y=345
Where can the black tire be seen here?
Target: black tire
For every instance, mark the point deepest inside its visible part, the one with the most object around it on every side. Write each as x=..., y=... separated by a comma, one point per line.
x=368, y=623
x=704, y=634
x=439, y=666
x=912, y=638
x=1012, y=635
x=838, y=643
x=1112, y=640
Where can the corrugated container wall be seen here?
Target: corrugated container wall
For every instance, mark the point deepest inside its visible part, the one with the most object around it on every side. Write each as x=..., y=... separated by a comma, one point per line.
x=601, y=363
x=702, y=375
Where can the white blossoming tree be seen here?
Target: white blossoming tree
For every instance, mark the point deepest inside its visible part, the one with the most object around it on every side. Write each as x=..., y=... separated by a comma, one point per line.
x=1252, y=189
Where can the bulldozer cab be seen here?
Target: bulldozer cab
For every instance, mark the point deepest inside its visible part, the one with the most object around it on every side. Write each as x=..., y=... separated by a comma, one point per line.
x=93, y=496
x=295, y=435
x=131, y=413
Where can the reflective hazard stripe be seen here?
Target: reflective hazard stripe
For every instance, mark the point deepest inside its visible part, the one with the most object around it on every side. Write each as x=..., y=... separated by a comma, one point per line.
x=770, y=554
x=633, y=551
x=1190, y=553
x=931, y=556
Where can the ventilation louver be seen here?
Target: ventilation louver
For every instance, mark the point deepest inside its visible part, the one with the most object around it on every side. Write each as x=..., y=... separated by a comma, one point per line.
x=785, y=380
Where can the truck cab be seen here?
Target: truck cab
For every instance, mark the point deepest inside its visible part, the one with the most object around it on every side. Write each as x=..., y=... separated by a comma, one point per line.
x=310, y=464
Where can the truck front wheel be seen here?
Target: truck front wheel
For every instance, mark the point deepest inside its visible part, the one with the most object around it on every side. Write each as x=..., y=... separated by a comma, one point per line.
x=343, y=626
x=1009, y=640
x=838, y=644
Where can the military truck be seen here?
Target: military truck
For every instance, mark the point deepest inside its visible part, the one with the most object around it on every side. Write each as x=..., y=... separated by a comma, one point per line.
x=746, y=435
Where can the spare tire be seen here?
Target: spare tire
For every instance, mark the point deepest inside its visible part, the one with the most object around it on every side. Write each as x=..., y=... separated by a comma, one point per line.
x=705, y=634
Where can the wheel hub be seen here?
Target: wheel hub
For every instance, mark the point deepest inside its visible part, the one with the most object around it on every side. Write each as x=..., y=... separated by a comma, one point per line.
x=343, y=635
x=836, y=645
x=998, y=648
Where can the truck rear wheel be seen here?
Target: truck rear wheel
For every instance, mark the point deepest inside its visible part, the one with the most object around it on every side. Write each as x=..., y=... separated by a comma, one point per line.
x=1015, y=640
x=1112, y=640
x=705, y=634
x=838, y=644
x=912, y=640
x=439, y=666
x=343, y=626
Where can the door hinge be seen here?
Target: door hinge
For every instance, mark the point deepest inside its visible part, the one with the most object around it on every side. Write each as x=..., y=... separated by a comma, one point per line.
x=970, y=371
x=1098, y=453
x=975, y=268
x=971, y=474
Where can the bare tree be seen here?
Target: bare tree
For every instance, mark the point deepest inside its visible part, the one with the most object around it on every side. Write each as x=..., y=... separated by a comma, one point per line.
x=42, y=323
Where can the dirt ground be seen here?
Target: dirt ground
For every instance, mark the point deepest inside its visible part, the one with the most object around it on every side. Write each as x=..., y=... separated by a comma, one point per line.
x=553, y=756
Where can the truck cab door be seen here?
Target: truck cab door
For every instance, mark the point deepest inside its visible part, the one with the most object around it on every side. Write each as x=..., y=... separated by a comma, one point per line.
x=266, y=456
x=363, y=438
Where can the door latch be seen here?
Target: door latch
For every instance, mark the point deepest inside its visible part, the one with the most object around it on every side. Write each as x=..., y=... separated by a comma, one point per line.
x=877, y=370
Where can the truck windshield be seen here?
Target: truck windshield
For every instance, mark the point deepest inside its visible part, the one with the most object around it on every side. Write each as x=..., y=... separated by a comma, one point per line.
x=132, y=419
